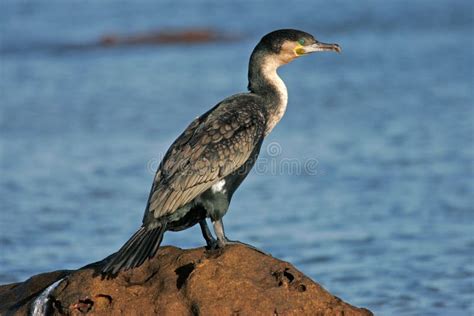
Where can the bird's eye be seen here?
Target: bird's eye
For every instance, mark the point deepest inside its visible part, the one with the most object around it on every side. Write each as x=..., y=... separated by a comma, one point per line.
x=301, y=41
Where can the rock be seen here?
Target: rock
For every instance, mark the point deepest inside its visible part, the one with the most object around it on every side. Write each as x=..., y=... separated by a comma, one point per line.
x=17, y=297
x=233, y=281
x=191, y=36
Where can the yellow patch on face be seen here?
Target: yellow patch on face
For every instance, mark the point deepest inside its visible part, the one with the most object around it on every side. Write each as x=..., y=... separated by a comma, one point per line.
x=299, y=50
x=289, y=51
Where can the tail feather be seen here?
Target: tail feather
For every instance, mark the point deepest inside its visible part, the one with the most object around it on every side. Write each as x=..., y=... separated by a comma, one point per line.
x=150, y=246
x=139, y=256
x=142, y=245
x=121, y=258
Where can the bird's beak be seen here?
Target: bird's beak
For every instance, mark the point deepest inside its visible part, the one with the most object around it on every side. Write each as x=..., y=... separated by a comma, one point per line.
x=321, y=47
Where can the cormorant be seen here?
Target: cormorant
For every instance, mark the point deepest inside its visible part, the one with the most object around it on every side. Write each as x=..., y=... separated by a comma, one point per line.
x=209, y=160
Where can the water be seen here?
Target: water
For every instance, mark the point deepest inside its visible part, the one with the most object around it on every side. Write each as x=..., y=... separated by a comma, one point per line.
x=375, y=201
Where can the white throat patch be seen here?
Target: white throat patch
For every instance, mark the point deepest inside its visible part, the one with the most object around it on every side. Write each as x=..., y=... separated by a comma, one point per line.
x=270, y=73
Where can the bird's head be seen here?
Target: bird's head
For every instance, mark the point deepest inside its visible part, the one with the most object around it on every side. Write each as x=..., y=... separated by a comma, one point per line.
x=287, y=44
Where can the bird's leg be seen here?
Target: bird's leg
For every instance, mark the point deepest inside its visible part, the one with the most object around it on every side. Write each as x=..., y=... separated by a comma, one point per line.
x=206, y=233
x=222, y=240
x=220, y=234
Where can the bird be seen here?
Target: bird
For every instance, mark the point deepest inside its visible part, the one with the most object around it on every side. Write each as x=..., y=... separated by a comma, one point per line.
x=205, y=165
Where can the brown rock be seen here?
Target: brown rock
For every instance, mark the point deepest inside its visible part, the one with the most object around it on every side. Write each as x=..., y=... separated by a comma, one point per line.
x=233, y=281
x=191, y=36
x=18, y=296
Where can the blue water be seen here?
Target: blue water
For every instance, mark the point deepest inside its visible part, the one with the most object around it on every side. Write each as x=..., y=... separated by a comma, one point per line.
x=366, y=185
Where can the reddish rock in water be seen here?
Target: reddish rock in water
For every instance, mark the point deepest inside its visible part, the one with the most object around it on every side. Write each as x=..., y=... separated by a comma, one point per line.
x=234, y=281
x=191, y=36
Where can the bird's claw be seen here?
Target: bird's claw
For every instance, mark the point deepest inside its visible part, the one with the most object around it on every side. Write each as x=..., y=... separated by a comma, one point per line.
x=212, y=244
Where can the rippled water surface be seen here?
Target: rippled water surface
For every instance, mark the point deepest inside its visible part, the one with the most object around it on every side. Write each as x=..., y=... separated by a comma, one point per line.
x=366, y=185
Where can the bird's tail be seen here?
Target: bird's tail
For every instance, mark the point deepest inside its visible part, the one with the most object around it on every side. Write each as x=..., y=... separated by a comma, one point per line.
x=142, y=245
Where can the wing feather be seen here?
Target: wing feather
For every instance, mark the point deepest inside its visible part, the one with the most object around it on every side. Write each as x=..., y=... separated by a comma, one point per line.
x=213, y=146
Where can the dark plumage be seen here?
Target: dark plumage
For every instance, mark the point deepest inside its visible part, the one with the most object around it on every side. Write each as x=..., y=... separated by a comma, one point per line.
x=209, y=160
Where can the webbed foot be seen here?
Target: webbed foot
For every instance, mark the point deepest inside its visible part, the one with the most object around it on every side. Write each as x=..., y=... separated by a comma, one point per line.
x=220, y=244
x=223, y=241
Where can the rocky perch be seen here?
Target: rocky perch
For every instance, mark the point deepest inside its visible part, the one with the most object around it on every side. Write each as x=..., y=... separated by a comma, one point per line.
x=234, y=281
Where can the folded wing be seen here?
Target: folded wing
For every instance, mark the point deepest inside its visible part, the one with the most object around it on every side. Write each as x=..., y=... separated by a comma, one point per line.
x=212, y=146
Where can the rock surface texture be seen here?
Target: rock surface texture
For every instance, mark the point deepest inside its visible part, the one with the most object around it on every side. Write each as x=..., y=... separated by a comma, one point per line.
x=233, y=281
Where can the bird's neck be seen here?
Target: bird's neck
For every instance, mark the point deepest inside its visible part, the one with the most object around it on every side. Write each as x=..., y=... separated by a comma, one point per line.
x=264, y=81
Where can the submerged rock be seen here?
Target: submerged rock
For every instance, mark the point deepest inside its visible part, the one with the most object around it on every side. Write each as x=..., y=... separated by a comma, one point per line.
x=234, y=281
x=191, y=36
